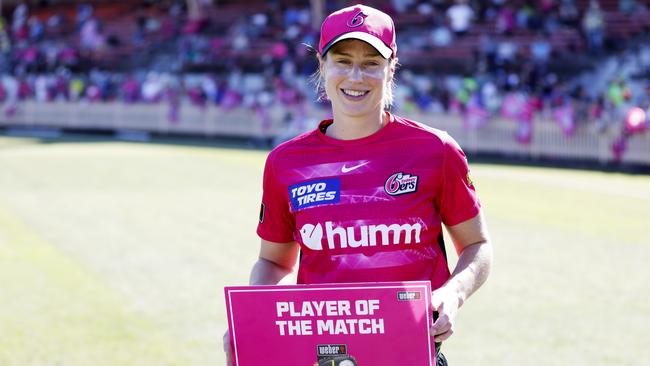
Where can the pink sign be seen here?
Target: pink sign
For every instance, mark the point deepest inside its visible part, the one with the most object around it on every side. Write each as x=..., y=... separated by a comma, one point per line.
x=365, y=324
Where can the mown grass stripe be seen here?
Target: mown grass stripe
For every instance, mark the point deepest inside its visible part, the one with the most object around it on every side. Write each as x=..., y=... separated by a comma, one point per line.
x=55, y=312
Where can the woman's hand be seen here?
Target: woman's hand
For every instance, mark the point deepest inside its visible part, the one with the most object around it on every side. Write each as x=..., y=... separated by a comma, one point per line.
x=446, y=303
x=227, y=348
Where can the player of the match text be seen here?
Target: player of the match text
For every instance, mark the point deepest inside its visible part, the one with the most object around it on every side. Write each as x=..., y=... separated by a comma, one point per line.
x=363, y=322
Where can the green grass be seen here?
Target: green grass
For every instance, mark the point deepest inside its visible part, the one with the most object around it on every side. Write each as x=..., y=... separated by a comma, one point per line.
x=570, y=276
x=116, y=254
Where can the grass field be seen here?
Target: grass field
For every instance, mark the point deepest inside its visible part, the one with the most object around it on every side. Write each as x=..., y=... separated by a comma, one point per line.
x=114, y=253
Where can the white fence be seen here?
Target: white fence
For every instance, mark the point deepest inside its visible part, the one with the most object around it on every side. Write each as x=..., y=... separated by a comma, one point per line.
x=497, y=136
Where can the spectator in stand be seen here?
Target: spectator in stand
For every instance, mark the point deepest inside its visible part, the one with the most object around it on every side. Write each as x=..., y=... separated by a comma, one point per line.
x=490, y=97
x=91, y=39
x=487, y=53
x=581, y=103
x=102, y=80
x=568, y=12
x=19, y=22
x=29, y=57
x=422, y=96
x=425, y=9
x=239, y=37
x=171, y=91
x=506, y=53
x=77, y=87
x=593, y=25
x=140, y=25
x=210, y=89
x=506, y=20
x=152, y=88
x=49, y=52
x=402, y=6
x=93, y=94
x=540, y=51
x=68, y=56
x=466, y=90
x=523, y=15
x=5, y=41
x=24, y=88
x=440, y=35
x=627, y=6
x=530, y=76
x=617, y=92
x=548, y=5
x=130, y=90
x=53, y=25
x=60, y=88
x=258, y=25
x=195, y=94
x=231, y=98
x=534, y=19
x=41, y=88
x=36, y=29
x=460, y=16
x=11, y=88
x=84, y=13
x=596, y=113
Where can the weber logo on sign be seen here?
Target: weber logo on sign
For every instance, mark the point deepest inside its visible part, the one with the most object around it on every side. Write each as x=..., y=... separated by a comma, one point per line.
x=408, y=295
x=331, y=350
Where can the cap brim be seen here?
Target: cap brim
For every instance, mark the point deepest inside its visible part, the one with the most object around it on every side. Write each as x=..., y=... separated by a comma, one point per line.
x=375, y=42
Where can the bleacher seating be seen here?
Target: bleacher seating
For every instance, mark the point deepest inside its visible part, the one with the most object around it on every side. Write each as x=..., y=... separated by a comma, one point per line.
x=203, y=66
x=119, y=22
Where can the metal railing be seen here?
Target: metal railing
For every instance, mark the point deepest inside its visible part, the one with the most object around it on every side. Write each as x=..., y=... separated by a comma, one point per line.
x=497, y=136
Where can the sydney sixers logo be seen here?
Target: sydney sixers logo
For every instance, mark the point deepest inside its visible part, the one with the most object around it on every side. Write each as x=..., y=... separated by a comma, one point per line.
x=358, y=19
x=400, y=183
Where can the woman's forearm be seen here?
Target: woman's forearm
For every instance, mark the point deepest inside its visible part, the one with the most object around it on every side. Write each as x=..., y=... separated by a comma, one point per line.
x=471, y=271
x=265, y=272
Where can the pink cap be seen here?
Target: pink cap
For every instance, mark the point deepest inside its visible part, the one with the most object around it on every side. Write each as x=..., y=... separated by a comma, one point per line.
x=359, y=22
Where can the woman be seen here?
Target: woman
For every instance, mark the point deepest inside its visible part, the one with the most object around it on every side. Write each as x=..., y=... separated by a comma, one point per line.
x=364, y=196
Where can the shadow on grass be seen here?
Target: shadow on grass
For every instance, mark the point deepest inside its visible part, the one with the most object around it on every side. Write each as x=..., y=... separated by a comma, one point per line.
x=12, y=137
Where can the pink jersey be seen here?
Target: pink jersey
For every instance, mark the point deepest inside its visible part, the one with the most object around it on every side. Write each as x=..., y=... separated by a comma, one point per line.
x=370, y=209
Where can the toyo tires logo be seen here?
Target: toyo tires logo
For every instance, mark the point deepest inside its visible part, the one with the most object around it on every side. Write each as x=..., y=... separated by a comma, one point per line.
x=400, y=183
x=315, y=193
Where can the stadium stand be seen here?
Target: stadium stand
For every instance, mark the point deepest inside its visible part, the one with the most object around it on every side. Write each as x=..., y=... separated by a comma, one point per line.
x=530, y=78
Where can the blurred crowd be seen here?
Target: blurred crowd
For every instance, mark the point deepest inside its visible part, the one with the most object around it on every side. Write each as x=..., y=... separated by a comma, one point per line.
x=262, y=58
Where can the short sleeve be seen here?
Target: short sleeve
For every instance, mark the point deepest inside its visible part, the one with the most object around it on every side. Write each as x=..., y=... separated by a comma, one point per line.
x=276, y=223
x=458, y=201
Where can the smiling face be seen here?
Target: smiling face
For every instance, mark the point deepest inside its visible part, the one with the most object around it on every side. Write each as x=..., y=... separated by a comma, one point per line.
x=357, y=78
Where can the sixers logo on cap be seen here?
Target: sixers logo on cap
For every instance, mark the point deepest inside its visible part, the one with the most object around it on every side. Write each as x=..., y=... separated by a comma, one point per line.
x=357, y=20
x=400, y=183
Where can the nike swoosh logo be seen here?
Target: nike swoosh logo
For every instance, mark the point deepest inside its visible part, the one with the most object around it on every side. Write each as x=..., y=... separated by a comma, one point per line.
x=345, y=169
